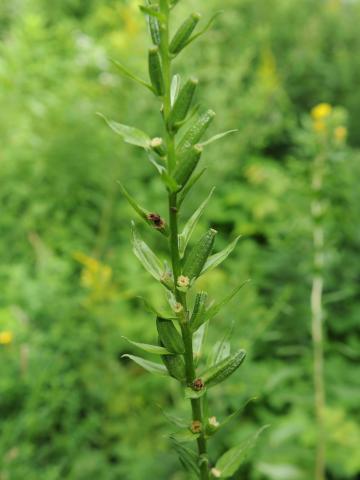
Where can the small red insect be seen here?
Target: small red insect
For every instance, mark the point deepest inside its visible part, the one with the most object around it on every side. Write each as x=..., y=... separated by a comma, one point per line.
x=156, y=220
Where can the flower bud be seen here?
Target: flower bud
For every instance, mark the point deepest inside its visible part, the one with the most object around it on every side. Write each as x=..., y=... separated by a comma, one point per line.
x=199, y=254
x=187, y=165
x=195, y=132
x=155, y=71
x=183, y=33
x=222, y=370
x=157, y=144
x=169, y=336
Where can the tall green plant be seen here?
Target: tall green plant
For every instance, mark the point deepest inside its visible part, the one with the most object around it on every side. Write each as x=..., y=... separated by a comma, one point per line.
x=181, y=331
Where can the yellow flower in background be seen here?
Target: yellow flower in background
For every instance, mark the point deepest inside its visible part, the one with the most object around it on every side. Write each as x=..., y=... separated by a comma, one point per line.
x=321, y=111
x=340, y=133
x=6, y=337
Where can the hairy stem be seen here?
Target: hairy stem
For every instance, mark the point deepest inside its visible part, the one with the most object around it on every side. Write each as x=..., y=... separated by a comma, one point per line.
x=173, y=244
x=317, y=317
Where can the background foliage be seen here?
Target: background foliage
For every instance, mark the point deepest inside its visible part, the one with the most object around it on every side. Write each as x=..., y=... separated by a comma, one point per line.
x=69, y=406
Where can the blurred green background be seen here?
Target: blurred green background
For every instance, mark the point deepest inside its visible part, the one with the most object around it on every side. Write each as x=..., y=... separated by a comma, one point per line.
x=70, y=407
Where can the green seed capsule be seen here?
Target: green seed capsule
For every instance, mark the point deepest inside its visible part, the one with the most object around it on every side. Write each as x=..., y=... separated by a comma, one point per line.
x=199, y=307
x=157, y=144
x=222, y=370
x=154, y=29
x=169, y=336
x=199, y=254
x=182, y=104
x=155, y=71
x=183, y=33
x=187, y=165
x=195, y=132
x=175, y=366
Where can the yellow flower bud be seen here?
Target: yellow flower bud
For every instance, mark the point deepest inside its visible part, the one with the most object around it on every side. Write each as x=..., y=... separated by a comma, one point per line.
x=183, y=281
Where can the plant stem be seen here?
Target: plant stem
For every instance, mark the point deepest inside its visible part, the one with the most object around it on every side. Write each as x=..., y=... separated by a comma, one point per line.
x=173, y=244
x=317, y=316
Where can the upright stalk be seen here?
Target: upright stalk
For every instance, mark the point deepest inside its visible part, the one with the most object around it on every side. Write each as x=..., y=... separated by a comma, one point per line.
x=174, y=245
x=317, y=314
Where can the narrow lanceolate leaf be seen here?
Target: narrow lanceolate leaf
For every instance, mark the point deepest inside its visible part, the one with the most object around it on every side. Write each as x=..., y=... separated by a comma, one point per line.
x=151, y=367
x=187, y=165
x=199, y=340
x=199, y=309
x=189, y=186
x=126, y=73
x=131, y=135
x=199, y=254
x=183, y=34
x=169, y=336
x=222, y=370
x=219, y=136
x=195, y=133
x=155, y=71
x=217, y=258
x=187, y=457
x=185, y=235
x=155, y=349
x=230, y=462
x=152, y=309
x=153, y=11
x=175, y=87
x=214, y=309
x=146, y=256
x=153, y=23
x=204, y=30
x=221, y=348
x=235, y=414
x=185, y=435
x=182, y=104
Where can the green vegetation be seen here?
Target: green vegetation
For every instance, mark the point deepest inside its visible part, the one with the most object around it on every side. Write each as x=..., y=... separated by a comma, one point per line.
x=70, y=406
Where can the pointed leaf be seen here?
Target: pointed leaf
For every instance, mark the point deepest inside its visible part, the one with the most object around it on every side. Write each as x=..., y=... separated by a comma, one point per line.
x=175, y=87
x=221, y=348
x=198, y=341
x=217, y=137
x=173, y=419
x=185, y=435
x=151, y=367
x=189, y=186
x=230, y=462
x=217, y=258
x=236, y=413
x=146, y=256
x=126, y=73
x=130, y=135
x=155, y=349
x=152, y=309
x=151, y=11
x=187, y=457
x=189, y=228
x=169, y=182
x=205, y=29
x=214, y=309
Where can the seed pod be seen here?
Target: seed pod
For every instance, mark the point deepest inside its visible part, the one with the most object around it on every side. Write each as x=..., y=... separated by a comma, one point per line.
x=182, y=104
x=175, y=366
x=183, y=33
x=195, y=132
x=157, y=144
x=222, y=370
x=187, y=165
x=199, y=307
x=155, y=71
x=169, y=336
x=199, y=254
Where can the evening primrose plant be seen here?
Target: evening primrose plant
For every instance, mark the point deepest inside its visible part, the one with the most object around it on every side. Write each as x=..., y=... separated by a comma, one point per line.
x=175, y=154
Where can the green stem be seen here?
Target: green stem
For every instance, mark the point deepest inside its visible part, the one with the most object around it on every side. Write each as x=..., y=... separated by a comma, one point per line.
x=173, y=244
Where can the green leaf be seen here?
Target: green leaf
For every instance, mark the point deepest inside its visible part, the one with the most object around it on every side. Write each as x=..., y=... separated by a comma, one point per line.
x=175, y=87
x=231, y=417
x=151, y=11
x=214, y=309
x=189, y=186
x=205, y=29
x=151, y=367
x=150, y=308
x=129, y=134
x=193, y=394
x=169, y=182
x=217, y=137
x=174, y=420
x=126, y=73
x=198, y=341
x=221, y=348
x=189, y=228
x=155, y=349
x=230, y=462
x=185, y=435
x=187, y=457
x=217, y=258
x=146, y=256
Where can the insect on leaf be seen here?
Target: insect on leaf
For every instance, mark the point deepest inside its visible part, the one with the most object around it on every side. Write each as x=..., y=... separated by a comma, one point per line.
x=130, y=135
x=151, y=367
